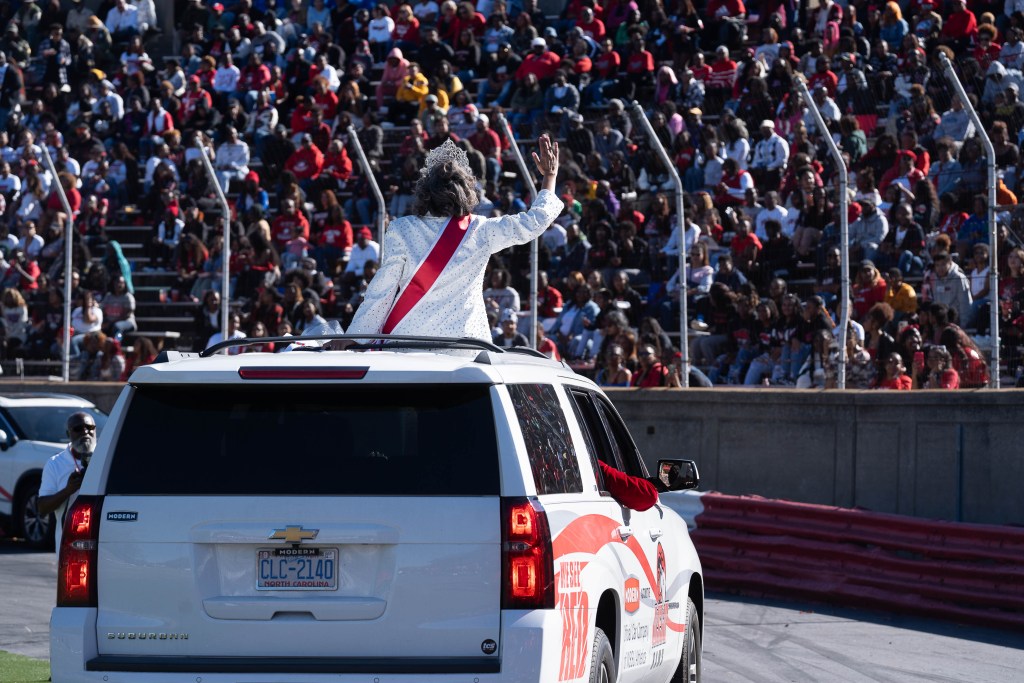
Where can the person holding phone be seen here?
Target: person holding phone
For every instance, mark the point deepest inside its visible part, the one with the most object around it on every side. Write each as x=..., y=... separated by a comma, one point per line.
x=62, y=474
x=939, y=372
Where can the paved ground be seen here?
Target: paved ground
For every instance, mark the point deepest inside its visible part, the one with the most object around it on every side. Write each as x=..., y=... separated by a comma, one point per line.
x=745, y=640
x=772, y=641
x=28, y=592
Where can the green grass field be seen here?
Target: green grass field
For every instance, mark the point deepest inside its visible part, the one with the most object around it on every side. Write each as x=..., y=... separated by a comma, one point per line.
x=18, y=669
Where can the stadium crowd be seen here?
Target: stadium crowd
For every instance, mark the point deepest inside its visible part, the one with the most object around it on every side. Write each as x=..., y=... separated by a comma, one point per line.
x=271, y=91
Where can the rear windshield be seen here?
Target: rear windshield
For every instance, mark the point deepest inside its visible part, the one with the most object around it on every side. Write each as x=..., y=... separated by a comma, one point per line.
x=271, y=440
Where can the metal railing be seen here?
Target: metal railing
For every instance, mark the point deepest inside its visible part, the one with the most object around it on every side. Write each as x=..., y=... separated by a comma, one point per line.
x=844, y=229
x=364, y=163
x=225, y=281
x=655, y=144
x=524, y=171
x=68, y=227
x=993, y=237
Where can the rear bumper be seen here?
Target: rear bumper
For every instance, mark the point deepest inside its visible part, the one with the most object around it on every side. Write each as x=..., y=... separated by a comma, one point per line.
x=530, y=652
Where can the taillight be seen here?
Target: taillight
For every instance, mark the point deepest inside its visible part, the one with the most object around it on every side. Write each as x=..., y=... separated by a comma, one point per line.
x=527, y=568
x=76, y=573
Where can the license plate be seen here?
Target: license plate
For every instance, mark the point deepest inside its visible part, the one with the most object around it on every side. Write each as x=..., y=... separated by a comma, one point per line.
x=297, y=569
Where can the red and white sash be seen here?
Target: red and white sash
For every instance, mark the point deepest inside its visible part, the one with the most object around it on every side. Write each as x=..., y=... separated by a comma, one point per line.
x=437, y=259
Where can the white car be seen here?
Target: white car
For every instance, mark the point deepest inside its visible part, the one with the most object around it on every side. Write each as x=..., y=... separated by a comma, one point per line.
x=32, y=430
x=371, y=516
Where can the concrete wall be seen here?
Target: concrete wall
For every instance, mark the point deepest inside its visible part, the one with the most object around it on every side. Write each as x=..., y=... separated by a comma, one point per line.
x=916, y=454
x=907, y=453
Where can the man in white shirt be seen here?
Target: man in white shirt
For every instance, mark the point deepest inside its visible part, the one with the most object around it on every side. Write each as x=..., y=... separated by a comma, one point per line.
x=867, y=232
x=161, y=157
x=146, y=19
x=426, y=11
x=232, y=159
x=954, y=123
x=671, y=247
x=828, y=107
x=10, y=184
x=78, y=16
x=225, y=80
x=62, y=474
x=328, y=72
x=554, y=237
x=770, y=156
x=772, y=211
x=30, y=242
x=233, y=333
x=365, y=249
x=122, y=21
x=108, y=94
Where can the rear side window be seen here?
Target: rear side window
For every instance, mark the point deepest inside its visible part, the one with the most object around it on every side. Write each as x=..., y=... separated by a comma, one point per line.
x=271, y=440
x=548, y=443
x=49, y=423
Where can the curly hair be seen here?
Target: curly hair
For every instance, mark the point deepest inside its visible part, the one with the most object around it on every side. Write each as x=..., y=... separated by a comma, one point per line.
x=447, y=189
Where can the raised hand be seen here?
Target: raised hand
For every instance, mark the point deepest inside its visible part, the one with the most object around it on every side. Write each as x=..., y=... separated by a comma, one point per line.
x=546, y=157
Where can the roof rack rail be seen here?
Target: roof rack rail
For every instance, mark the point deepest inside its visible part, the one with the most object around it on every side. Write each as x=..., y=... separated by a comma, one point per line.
x=527, y=351
x=167, y=356
x=391, y=341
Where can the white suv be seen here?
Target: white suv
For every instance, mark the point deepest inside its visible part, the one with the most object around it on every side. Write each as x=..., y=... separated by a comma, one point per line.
x=32, y=430
x=371, y=516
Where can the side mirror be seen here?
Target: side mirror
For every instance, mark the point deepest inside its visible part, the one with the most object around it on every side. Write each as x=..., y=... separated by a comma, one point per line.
x=3, y=440
x=678, y=475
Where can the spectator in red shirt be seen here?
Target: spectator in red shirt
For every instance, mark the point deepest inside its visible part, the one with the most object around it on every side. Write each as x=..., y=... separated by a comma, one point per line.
x=466, y=17
x=894, y=377
x=306, y=162
x=745, y=247
x=541, y=62
x=335, y=242
x=986, y=50
x=590, y=24
x=701, y=69
x=723, y=74
x=905, y=172
x=289, y=225
x=22, y=273
x=254, y=78
x=868, y=289
x=416, y=139
x=723, y=17
x=823, y=75
x=605, y=70
x=326, y=100
x=651, y=372
x=549, y=299
x=959, y=28
x=302, y=116
x=337, y=166
x=194, y=98
x=639, y=68
x=55, y=208
x=487, y=142
x=406, y=33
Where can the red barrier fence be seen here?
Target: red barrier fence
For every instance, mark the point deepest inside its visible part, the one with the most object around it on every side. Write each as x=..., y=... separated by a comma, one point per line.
x=969, y=573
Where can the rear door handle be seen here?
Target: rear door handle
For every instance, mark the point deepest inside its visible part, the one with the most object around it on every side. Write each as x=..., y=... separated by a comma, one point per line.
x=656, y=534
x=624, y=532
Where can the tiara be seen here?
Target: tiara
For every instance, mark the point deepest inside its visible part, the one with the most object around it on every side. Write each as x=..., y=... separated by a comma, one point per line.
x=448, y=152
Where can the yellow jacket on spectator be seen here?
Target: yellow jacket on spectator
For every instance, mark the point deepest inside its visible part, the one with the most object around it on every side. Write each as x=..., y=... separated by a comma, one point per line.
x=416, y=93
x=903, y=299
x=442, y=101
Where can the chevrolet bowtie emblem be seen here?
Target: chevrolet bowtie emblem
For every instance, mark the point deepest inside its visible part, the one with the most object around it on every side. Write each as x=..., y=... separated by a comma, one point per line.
x=293, y=534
